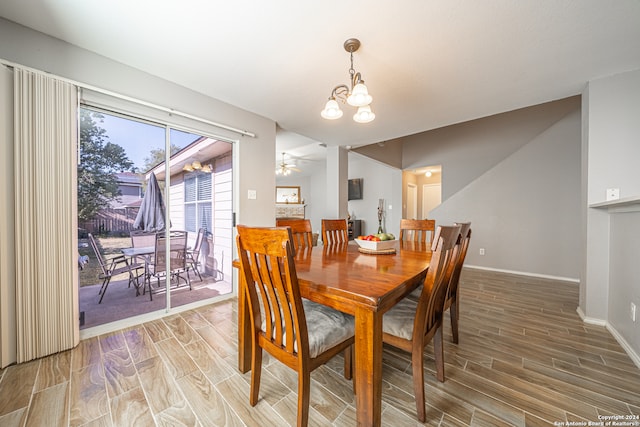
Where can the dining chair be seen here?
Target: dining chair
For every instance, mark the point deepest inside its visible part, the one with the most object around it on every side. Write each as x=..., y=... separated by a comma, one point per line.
x=300, y=229
x=334, y=231
x=157, y=266
x=193, y=255
x=416, y=230
x=452, y=302
x=300, y=333
x=112, y=267
x=411, y=325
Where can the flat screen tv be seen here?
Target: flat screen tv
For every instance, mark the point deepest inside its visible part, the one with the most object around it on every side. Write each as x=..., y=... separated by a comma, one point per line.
x=355, y=189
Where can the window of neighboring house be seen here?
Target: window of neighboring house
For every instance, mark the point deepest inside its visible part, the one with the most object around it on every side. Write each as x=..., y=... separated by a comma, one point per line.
x=197, y=202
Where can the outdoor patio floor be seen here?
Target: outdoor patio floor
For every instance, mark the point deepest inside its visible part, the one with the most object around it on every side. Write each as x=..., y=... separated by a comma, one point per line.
x=120, y=300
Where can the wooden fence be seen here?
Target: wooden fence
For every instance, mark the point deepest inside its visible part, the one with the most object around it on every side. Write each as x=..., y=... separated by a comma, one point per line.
x=115, y=222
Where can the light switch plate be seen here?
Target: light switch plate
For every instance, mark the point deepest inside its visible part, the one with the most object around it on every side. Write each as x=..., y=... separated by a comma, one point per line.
x=613, y=194
x=252, y=195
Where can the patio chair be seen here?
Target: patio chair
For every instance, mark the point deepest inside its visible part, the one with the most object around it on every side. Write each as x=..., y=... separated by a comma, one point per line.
x=157, y=267
x=193, y=255
x=112, y=267
x=142, y=239
x=299, y=333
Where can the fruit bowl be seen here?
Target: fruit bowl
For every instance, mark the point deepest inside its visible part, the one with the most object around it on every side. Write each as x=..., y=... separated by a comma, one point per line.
x=376, y=246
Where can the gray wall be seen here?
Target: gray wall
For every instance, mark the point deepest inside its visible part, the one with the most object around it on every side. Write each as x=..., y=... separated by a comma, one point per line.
x=516, y=176
x=469, y=149
x=379, y=182
x=624, y=286
x=611, y=110
x=525, y=211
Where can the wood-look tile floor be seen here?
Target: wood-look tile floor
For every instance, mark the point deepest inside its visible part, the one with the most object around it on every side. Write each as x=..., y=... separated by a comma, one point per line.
x=524, y=359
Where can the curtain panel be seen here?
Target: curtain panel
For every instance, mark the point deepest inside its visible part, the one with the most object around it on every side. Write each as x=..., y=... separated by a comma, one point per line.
x=7, y=223
x=45, y=161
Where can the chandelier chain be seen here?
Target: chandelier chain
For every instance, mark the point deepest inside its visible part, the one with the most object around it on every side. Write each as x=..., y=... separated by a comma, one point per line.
x=352, y=71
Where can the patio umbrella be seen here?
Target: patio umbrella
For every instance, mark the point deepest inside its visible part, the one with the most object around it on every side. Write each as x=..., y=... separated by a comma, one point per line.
x=151, y=214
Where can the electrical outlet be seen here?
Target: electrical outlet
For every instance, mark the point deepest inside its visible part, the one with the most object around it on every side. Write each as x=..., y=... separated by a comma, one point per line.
x=252, y=194
x=613, y=194
x=633, y=312
x=481, y=251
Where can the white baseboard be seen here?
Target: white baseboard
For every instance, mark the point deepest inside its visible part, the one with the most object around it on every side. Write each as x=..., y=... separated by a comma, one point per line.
x=591, y=320
x=635, y=358
x=524, y=273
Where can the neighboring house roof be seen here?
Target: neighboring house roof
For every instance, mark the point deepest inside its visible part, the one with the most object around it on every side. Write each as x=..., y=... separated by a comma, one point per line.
x=127, y=180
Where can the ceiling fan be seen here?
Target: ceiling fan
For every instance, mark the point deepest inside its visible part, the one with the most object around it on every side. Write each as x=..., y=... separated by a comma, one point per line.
x=286, y=168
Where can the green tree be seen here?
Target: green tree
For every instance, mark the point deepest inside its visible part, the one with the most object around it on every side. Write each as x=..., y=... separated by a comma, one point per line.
x=100, y=161
x=155, y=157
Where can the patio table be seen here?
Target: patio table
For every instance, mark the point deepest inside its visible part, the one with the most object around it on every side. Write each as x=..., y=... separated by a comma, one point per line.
x=143, y=251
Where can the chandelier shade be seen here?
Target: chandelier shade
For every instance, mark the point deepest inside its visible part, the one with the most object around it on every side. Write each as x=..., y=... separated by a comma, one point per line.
x=359, y=96
x=356, y=95
x=364, y=115
x=331, y=110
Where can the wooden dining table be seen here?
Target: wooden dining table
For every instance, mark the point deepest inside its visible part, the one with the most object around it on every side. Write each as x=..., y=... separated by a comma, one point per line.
x=363, y=285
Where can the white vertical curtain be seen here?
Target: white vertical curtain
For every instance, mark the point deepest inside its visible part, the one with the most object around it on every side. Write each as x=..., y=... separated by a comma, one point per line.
x=46, y=263
x=7, y=223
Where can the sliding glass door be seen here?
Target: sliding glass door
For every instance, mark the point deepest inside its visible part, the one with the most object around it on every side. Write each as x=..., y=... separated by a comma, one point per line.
x=142, y=184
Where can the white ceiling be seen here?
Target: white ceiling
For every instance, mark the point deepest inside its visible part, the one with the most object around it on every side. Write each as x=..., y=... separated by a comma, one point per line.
x=427, y=63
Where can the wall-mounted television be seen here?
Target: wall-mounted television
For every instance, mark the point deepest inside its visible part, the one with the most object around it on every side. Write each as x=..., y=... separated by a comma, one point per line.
x=355, y=189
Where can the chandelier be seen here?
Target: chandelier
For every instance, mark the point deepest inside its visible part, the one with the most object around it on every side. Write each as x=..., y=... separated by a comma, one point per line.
x=357, y=95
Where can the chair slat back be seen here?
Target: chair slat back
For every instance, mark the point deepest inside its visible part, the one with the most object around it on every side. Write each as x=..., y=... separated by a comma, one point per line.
x=177, y=252
x=465, y=238
x=417, y=230
x=334, y=231
x=434, y=292
x=101, y=260
x=271, y=284
x=300, y=230
x=142, y=239
x=199, y=239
